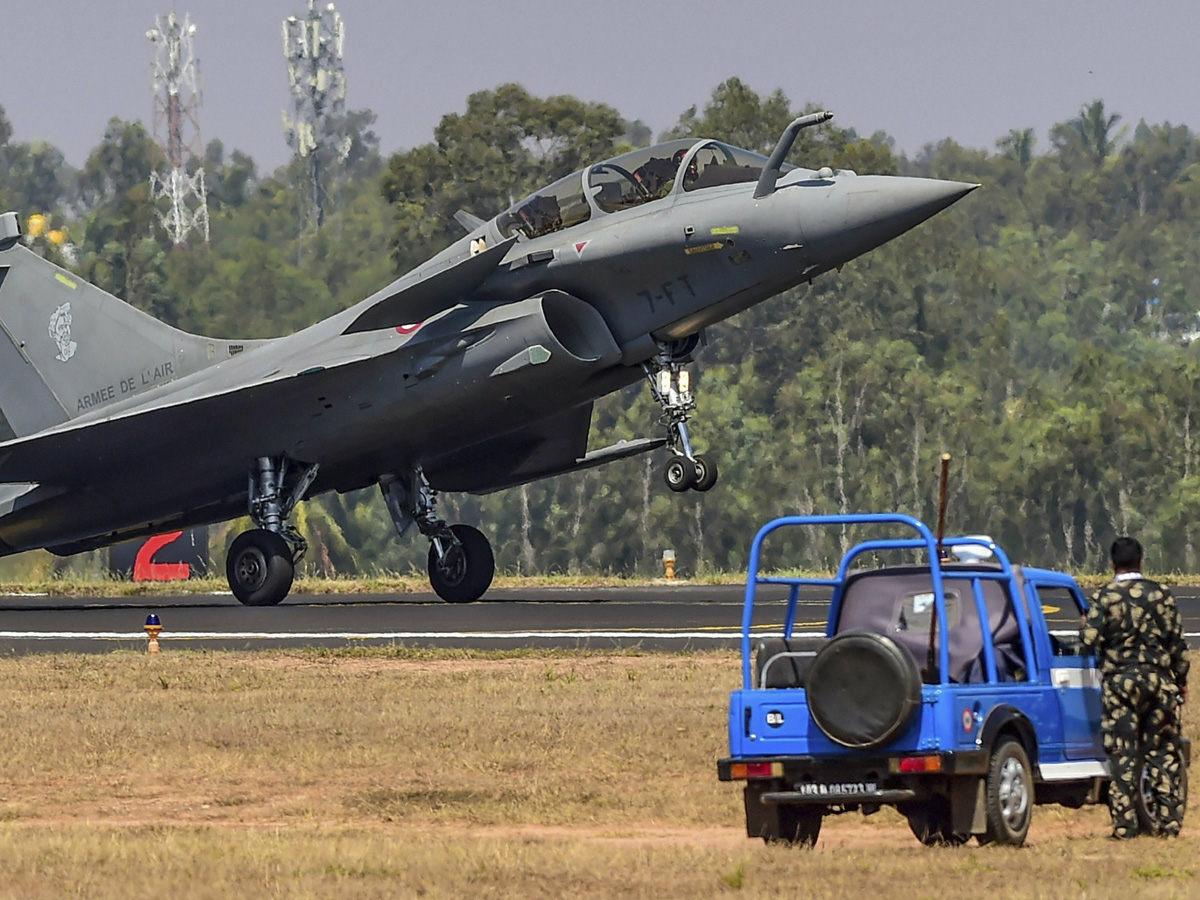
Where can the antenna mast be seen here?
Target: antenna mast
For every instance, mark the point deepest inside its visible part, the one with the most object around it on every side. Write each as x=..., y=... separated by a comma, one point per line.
x=315, y=128
x=175, y=81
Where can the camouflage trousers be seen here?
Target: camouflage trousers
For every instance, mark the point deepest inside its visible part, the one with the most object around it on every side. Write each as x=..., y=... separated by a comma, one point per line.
x=1141, y=730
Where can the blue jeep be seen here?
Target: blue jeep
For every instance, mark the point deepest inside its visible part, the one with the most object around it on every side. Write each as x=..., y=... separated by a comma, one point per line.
x=937, y=688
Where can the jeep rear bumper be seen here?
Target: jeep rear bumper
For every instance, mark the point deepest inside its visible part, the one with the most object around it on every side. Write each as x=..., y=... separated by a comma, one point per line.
x=822, y=781
x=845, y=768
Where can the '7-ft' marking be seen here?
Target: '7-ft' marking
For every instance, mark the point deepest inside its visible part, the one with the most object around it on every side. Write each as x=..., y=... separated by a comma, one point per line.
x=666, y=291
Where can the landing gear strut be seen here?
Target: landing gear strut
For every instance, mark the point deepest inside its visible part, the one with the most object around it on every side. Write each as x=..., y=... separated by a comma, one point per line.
x=262, y=562
x=461, y=565
x=670, y=385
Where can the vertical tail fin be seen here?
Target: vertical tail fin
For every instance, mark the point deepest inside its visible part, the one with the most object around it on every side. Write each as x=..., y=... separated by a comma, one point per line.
x=67, y=347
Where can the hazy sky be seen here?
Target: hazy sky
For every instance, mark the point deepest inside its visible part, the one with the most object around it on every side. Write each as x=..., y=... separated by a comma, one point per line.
x=919, y=70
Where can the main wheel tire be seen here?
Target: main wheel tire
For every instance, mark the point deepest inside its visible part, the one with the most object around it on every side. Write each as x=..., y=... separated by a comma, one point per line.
x=863, y=689
x=259, y=567
x=680, y=474
x=1143, y=797
x=1009, y=793
x=799, y=826
x=467, y=571
x=931, y=824
x=706, y=474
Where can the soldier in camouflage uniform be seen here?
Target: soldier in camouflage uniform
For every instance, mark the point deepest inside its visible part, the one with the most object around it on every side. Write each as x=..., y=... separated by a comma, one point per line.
x=1134, y=627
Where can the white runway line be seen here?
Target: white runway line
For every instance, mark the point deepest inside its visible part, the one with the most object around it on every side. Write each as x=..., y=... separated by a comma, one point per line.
x=362, y=636
x=1075, y=633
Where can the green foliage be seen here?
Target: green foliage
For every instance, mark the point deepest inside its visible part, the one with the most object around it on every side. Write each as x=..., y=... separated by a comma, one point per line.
x=121, y=163
x=1040, y=330
x=34, y=178
x=507, y=144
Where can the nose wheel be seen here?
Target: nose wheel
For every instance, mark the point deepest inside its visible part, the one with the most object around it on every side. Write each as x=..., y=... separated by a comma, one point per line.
x=696, y=474
x=680, y=474
x=706, y=473
x=670, y=385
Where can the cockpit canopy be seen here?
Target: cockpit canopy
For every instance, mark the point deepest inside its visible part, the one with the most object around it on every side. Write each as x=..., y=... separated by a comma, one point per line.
x=639, y=177
x=632, y=179
x=715, y=164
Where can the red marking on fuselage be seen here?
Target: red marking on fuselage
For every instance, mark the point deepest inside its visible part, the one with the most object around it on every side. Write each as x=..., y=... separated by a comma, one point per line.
x=408, y=329
x=579, y=247
x=145, y=569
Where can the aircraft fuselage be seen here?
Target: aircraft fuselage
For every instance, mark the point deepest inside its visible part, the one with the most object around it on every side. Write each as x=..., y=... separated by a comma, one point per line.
x=571, y=294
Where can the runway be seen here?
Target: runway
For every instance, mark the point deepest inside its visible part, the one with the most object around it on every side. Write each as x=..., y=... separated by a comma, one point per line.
x=661, y=617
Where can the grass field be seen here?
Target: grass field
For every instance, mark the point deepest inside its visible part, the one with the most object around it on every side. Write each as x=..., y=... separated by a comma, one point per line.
x=446, y=774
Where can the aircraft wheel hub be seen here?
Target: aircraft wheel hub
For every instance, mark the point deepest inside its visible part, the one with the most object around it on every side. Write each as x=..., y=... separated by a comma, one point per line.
x=453, y=566
x=250, y=568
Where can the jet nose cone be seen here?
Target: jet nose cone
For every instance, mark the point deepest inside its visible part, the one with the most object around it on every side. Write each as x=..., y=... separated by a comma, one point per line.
x=894, y=205
x=899, y=203
x=879, y=208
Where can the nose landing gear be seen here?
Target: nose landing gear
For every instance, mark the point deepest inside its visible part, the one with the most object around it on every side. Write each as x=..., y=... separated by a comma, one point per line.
x=670, y=385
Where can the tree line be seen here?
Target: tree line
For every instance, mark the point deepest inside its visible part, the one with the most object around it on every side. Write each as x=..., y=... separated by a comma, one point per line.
x=1041, y=330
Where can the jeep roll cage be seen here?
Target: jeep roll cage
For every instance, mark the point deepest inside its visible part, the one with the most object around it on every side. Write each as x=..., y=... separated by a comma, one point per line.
x=1000, y=571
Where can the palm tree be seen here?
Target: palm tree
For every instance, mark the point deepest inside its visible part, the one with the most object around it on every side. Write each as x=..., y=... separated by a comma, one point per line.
x=1095, y=129
x=1018, y=145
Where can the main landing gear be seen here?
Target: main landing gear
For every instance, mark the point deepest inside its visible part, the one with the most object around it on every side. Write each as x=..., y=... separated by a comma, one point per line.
x=461, y=565
x=670, y=384
x=262, y=563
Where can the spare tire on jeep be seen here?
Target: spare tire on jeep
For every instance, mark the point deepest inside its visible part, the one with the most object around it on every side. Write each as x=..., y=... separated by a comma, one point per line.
x=863, y=689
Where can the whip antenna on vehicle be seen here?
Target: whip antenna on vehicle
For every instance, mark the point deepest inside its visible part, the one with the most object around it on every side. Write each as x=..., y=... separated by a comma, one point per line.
x=941, y=531
x=931, y=656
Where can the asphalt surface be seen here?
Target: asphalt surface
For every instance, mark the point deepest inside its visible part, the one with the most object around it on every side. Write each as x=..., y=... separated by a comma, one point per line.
x=667, y=617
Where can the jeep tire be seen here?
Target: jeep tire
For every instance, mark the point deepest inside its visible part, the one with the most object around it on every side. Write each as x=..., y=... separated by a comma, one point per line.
x=1008, y=793
x=1143, y=797
x=863, y=689
x=799, y=826
x=931, y=823
x=780, y=823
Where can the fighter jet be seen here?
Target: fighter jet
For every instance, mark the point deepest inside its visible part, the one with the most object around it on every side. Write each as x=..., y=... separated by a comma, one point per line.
x=476, y=371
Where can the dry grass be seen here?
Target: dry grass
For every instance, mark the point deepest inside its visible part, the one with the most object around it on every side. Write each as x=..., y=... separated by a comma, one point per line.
x=444, y=774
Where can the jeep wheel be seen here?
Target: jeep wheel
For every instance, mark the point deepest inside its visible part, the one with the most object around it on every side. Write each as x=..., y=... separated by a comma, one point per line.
x=1008, y=794
x=863, y=689
x=1144, y=800
x=798, y=825
x=931, y=825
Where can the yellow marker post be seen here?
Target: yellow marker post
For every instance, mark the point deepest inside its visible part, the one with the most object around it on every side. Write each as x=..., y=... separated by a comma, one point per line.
x=669, y=563
x=153, y=630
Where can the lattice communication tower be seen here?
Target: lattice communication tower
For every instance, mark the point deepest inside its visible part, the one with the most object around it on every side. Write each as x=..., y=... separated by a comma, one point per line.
x=175, y=80
x=315, y=128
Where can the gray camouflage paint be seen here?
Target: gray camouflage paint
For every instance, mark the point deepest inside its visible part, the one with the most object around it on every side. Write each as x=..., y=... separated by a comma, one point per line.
x=144, y=428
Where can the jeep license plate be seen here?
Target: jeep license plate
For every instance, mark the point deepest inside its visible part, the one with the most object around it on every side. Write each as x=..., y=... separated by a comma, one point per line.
x=838, y=788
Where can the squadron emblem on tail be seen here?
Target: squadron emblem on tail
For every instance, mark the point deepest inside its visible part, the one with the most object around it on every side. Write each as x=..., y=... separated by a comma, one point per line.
x=60, y=330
